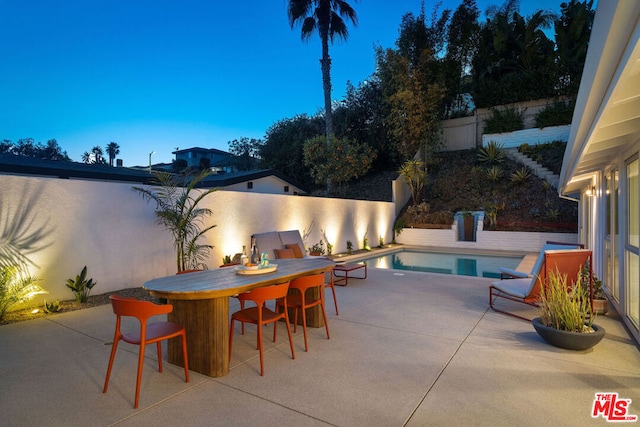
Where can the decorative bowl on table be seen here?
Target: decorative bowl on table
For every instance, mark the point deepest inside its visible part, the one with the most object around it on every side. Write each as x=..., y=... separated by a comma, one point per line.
x=255, y=269
x=249, y=266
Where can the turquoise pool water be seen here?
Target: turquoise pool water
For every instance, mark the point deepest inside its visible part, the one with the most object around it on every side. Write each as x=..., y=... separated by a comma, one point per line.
x=460, y=264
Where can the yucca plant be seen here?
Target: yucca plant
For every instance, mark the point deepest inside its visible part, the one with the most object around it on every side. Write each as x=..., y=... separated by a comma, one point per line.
x=521, y=175
x=565, y=307
x=16, y=287
x=492, y=154
x=494, y=173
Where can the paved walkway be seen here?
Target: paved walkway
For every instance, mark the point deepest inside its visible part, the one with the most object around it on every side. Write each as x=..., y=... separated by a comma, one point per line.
x=408, y=348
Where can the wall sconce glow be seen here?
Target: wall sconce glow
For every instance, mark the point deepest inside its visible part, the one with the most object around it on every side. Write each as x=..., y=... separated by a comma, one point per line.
x=591, y=191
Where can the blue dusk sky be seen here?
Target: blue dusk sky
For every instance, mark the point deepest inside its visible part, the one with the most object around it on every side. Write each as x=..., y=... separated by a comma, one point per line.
x=160, y=75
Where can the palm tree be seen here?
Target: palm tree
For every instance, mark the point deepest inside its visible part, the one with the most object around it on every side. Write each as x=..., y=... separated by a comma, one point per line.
x=113, y=149
x=177, y=209
x=86, y=157
x=326, y=16
x=98, y=155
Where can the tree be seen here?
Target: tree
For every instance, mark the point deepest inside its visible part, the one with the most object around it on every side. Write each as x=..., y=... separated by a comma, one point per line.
x=96, y=156
x=414, y=102
x=462, y=43
x=327, y=17
x=177, y=209
x=86, y=157
x=29, y=148
x=572, y=33
x=414, y=174
x=246, y=152
x=515, y=59
x=112, y=149
x=361, y=115
x=337, y=160
x=283, y=146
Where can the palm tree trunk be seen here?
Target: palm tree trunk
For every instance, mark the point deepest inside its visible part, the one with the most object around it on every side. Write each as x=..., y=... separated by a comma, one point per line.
x=325, y=66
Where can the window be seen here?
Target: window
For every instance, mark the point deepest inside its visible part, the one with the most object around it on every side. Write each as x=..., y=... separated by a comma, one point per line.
x=632, y=250
x=286, y=188
x=250, y=185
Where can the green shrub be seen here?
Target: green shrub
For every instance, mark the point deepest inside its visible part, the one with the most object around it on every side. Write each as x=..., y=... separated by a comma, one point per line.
x=521, y=175
x=80, y=286
x=51, y=307
x=564, y=307
x=492, y=154
x=16, y=287
x=506, y=120
x=494, y=173
x=557, y=114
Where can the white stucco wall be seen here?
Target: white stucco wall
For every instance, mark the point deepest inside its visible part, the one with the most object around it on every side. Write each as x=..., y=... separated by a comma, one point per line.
x=111, y=229
x=529, y=136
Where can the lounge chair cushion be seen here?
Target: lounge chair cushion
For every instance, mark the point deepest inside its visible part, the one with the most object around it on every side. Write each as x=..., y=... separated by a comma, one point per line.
x=516, y=287
x=296, y=249
x=291, y=237
x=284, y=253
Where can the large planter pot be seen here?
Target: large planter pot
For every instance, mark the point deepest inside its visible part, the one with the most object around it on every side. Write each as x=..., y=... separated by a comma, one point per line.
x=569, y=340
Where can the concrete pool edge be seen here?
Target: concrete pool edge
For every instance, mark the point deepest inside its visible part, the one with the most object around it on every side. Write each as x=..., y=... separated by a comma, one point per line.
x=528, y=258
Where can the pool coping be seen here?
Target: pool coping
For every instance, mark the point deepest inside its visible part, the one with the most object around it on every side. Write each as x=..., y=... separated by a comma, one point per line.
x=528, y=258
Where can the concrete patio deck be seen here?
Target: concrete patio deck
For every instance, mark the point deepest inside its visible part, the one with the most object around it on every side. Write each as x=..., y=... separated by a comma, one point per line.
x=408, y=348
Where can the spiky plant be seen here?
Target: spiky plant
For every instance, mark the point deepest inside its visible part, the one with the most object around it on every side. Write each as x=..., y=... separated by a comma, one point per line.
x=16, y=287
x=81, y=286
x=177, y=209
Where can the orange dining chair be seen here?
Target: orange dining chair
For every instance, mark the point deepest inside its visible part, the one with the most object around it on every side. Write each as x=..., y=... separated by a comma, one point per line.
x=261, y=315
x=301, y=301
x=290, y=253
x=149, y=333
x=330, y=284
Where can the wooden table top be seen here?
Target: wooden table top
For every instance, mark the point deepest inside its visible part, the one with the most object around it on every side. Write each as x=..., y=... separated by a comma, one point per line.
x=225, y=282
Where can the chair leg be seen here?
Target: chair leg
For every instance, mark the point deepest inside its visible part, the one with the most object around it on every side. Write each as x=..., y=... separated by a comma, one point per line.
x=139, y=379
x=114, y=347
x=260, y=349
x=333, y=289
x=324, y=315
x=159, y=345
x=304, y=323
x=286, y=322
x=185, y=358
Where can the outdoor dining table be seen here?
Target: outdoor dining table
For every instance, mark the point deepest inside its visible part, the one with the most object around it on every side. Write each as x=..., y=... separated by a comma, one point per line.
x=201, y=304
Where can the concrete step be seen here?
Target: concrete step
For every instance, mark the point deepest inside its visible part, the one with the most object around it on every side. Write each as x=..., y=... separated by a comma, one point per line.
x=536, y=167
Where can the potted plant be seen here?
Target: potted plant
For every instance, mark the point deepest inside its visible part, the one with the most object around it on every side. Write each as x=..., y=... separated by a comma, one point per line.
x=600, y=302
x=566, y=318
x=317, y=249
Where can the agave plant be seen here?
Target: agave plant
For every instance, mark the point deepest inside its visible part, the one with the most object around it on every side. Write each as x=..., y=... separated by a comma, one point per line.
x=492, y=154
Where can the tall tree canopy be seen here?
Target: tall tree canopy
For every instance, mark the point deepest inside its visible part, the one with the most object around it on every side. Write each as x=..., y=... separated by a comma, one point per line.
x=515, y=58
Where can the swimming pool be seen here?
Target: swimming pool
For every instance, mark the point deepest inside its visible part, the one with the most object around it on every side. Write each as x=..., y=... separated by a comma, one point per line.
x=461, y=264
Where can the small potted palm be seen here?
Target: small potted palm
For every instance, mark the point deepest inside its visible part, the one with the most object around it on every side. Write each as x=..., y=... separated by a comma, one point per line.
x=566, y=318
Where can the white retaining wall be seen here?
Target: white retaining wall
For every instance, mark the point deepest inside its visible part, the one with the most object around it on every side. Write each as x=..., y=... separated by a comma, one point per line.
x=489, y=240
x=529, y=136
x=111, y=229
